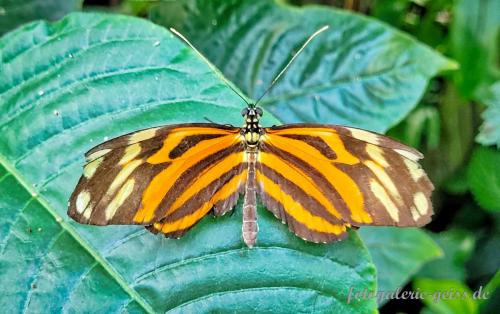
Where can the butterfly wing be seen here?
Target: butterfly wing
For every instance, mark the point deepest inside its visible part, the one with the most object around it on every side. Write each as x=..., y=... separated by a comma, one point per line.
x=166, y=178
x=321, y=179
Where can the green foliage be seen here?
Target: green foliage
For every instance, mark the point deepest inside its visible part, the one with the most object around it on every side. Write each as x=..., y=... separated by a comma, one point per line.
x=485, y=261
x=447, y=296
x=369, y=76
x=68, y=86
x=483, y=177
x=15, y=13
x=93, y=80
x=457, y=184
x=490, y=130
x=422, y=18
x=492, y=289
x=422, y=126
x=494, y=283
x=450, y=296
x=475, y=44
x=398, y=253
x=457, y=247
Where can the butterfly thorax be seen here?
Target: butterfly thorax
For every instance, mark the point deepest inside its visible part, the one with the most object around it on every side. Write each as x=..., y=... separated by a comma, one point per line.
x=251, y=129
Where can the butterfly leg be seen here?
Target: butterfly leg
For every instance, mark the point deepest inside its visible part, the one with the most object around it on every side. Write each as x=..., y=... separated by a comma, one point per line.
x=250, y=228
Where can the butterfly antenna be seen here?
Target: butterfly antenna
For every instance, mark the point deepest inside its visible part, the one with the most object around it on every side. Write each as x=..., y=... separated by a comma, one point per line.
x=212, y=67
x=208, y=120
x=316, y=33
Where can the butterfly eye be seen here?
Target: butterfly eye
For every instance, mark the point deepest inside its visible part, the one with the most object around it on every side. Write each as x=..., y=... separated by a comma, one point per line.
x=259, y=111
x=244, y=111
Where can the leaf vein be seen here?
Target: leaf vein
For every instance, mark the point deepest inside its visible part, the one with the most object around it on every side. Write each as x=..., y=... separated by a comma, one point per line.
x=105, y=115
x=70, y=229
x=227, y=252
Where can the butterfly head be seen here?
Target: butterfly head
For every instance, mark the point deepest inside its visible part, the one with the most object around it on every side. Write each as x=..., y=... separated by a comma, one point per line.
x=252, y=113
x=251, y=128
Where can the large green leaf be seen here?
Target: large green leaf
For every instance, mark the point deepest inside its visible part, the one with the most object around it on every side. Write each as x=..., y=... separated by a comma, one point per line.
x=360, y=72
x=398, y=254
x=475, y=43
x=484, y=178
x=14, y=12
x=65, y=87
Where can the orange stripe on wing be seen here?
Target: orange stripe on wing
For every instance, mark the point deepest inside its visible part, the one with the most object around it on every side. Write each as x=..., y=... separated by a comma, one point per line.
x=207, y=177
x=295, y=210
x=173, y=139
x=189, y=220
x=329, y=136
x=301, y=179
x=163, y=182
x=343, y=183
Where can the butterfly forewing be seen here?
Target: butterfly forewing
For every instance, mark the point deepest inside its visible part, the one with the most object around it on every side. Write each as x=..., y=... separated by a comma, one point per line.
x=320, y=179
x=167, y=177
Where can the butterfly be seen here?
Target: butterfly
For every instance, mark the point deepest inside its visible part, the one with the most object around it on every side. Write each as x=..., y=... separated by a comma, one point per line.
x=320, y=180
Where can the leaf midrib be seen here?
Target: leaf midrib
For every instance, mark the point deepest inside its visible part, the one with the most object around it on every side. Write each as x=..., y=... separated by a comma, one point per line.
x=71, y=231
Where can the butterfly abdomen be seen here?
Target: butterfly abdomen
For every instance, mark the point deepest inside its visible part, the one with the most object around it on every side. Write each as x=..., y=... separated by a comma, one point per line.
x=250, y=228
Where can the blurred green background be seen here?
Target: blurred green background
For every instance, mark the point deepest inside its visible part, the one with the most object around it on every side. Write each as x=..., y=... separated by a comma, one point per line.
x=437, y=90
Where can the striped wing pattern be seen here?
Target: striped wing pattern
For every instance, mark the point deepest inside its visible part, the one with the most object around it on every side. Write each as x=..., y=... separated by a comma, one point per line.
x=165, y=178
x=321, y=179
x=318, y=179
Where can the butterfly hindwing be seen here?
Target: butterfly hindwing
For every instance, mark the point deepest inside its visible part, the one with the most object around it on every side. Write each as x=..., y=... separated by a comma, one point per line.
x=320, y=179
x=288, y=188
x=161, y=176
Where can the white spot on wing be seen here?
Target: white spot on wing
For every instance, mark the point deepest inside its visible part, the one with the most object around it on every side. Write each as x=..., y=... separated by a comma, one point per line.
x=98, y=154
x=87, y=212
x=421, y=203
x=414, y=213
x=130, y=153
x=142, y=135
x=90, y=168
x=82, y=200
x=119, y=199
x=377, y=155
x=407, y=154
x=415, y=171
x=385, y=179
x=384, y=198
x=364, y=136
x=122, y=176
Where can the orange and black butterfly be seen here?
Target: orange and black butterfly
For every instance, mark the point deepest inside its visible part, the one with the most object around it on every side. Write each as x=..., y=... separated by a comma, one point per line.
x=318, y=179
